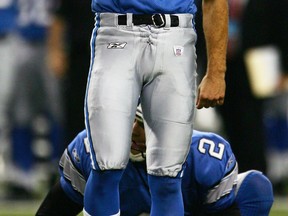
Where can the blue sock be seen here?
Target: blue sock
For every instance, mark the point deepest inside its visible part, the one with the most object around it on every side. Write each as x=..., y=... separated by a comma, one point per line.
x=101, y=197
x=166, y=196
x=276, y=133
x=21, y=148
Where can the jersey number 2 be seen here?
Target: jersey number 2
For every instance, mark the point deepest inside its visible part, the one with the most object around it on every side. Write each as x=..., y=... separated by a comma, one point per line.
x=211, y=148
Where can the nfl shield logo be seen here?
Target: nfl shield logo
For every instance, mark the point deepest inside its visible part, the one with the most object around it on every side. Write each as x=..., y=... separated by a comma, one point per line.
x=178, y=50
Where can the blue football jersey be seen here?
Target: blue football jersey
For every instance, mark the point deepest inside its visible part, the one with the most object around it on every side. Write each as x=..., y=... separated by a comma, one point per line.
x=8, y=14
x=35, y=16
x=210, y=175
x=144, y=6
x=208, y=180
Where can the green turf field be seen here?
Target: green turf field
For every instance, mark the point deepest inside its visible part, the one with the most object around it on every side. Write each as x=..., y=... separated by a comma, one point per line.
x=28, y=208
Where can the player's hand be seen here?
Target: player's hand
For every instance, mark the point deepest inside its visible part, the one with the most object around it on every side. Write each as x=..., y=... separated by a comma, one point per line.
x=211, y=92
x=282, y=85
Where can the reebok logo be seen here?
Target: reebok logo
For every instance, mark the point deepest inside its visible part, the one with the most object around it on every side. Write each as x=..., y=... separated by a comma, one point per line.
x=76, y=155
x=116, y=45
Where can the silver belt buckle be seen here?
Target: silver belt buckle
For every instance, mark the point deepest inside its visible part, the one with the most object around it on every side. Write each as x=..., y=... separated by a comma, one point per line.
x=161, y=19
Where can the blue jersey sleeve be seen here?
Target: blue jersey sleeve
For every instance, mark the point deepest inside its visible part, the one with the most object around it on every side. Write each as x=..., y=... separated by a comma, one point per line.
x=74, y=168
x=78, y=151
x=212, y=157
x=209, y=163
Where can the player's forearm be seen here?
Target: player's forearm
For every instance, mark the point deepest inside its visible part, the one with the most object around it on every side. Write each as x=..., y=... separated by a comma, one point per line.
x=215, y=25
x=56, y=34
x=56, y=47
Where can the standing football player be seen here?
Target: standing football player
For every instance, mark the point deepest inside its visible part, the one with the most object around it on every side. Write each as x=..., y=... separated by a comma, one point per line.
x=8, y=14
x=36, y=93
x=146, y=49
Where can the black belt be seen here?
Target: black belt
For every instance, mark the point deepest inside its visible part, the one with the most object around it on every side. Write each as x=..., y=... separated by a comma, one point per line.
x=157, y=20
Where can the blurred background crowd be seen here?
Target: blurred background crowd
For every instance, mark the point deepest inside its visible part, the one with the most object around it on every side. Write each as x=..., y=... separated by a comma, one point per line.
x=44, y=62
